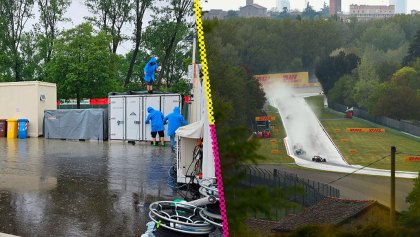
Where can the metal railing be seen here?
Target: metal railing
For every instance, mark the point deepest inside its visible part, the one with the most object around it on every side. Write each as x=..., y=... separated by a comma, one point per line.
x=404, y=126
x=311, y=193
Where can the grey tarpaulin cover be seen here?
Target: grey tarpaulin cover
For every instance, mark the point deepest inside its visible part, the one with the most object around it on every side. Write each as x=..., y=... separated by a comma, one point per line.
x=89, y=124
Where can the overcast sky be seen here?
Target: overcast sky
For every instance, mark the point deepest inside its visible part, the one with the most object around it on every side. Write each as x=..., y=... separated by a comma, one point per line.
x=77, y=11
x=299, y=4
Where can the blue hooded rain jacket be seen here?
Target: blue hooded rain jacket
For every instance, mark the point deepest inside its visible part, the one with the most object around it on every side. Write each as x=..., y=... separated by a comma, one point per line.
x=157, y=119
x=175, y=120
x=150, y=69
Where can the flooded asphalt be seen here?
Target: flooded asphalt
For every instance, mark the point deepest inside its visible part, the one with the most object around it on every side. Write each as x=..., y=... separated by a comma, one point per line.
x=76, y=188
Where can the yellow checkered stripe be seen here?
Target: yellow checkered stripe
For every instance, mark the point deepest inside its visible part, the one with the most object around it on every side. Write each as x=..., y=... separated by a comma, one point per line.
x=203, y=56
x=217, y=165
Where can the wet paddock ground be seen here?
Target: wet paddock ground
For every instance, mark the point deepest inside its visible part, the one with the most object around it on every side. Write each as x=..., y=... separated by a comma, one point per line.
x=74, y=188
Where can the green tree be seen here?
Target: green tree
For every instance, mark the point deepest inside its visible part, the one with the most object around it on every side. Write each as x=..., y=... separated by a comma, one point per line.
x=414, y=50
x=362, y=90
x=378, y=93
x=367, y=81
x=136, y=83
x=157, y=37
x=13, y=18
x=386, y=69
x=384, y=36
x=325, y=10
x=51, y=13
x=309, y=12
x=110, y=16
x=274, y=46
x=330, y=69
x=411, y=218
x=140, y=7
x=342, y=91
x=237, y=98
x=398, y=102
x=177, y=12
x=31, y=67
x=83, y=66
x=241, y=203
x=407, y=76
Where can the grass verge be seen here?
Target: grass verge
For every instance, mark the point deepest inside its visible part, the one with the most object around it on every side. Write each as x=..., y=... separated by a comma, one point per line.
x=364, y=148
x=270, y=145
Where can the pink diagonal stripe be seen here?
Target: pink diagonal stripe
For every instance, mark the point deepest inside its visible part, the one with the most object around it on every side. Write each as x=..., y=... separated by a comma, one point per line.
x=218, y=168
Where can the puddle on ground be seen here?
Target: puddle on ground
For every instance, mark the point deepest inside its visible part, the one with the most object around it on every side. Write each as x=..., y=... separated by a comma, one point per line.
x=72, y=188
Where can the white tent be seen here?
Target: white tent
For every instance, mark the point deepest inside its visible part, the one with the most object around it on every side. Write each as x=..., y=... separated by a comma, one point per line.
x=187, y=140
x=194, y=130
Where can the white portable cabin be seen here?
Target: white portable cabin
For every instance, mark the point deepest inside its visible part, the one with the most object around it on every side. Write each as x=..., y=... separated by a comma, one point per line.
x=28, y=99
x=128, y=113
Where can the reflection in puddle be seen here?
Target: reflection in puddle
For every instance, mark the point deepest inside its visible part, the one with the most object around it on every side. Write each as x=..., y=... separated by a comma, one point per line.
x=72, y=188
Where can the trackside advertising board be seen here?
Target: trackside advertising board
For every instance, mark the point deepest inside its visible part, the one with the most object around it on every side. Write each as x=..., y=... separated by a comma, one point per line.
x=292, y=79
x=412, y=158
x=372, y=130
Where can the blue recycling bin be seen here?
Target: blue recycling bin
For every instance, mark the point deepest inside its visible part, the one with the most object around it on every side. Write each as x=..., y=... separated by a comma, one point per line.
x=23, y=128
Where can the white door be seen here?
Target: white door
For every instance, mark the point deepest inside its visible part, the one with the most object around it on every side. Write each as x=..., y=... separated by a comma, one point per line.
x=116, y=118
x=168, y=104
x=154, y=102
x=133, y=118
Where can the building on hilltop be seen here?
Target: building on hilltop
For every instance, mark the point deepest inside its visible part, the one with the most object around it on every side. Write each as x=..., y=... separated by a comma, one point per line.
x=415, y=12
x=215, y=14
x=252, y=10
x=335, y=7
x=281, y=4
x=400, y=6
x=371, y=12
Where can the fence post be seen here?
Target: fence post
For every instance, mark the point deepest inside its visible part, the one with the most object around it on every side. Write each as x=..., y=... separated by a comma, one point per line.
x=392, y=214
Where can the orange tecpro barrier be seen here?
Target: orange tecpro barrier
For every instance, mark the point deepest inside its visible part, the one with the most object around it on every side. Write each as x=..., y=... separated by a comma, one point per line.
x=372, y=130
x=292, y=79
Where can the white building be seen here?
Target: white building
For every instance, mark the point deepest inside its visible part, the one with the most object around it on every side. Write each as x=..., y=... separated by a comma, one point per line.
x=415, y=12
x=281, y=4
x=215, y=14
x=252, y=10
x=400, y=6
x=370, y=12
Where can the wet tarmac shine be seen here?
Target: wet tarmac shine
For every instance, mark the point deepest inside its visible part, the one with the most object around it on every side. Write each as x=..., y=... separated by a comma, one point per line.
x=74, y=188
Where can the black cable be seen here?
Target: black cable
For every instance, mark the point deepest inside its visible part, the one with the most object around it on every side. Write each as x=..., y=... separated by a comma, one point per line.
x=317, y=189
x=361, y=168
x=197, y=157
x=186, y=173
x=197, y=151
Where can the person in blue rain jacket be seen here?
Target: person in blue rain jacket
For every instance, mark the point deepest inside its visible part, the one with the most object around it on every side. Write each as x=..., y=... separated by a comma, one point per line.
x=174, y=120
x=157, y=125
x=149, y=73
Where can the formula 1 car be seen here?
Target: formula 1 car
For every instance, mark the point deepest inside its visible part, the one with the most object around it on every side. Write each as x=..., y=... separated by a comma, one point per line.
x=298, y=150
x=318, y=159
